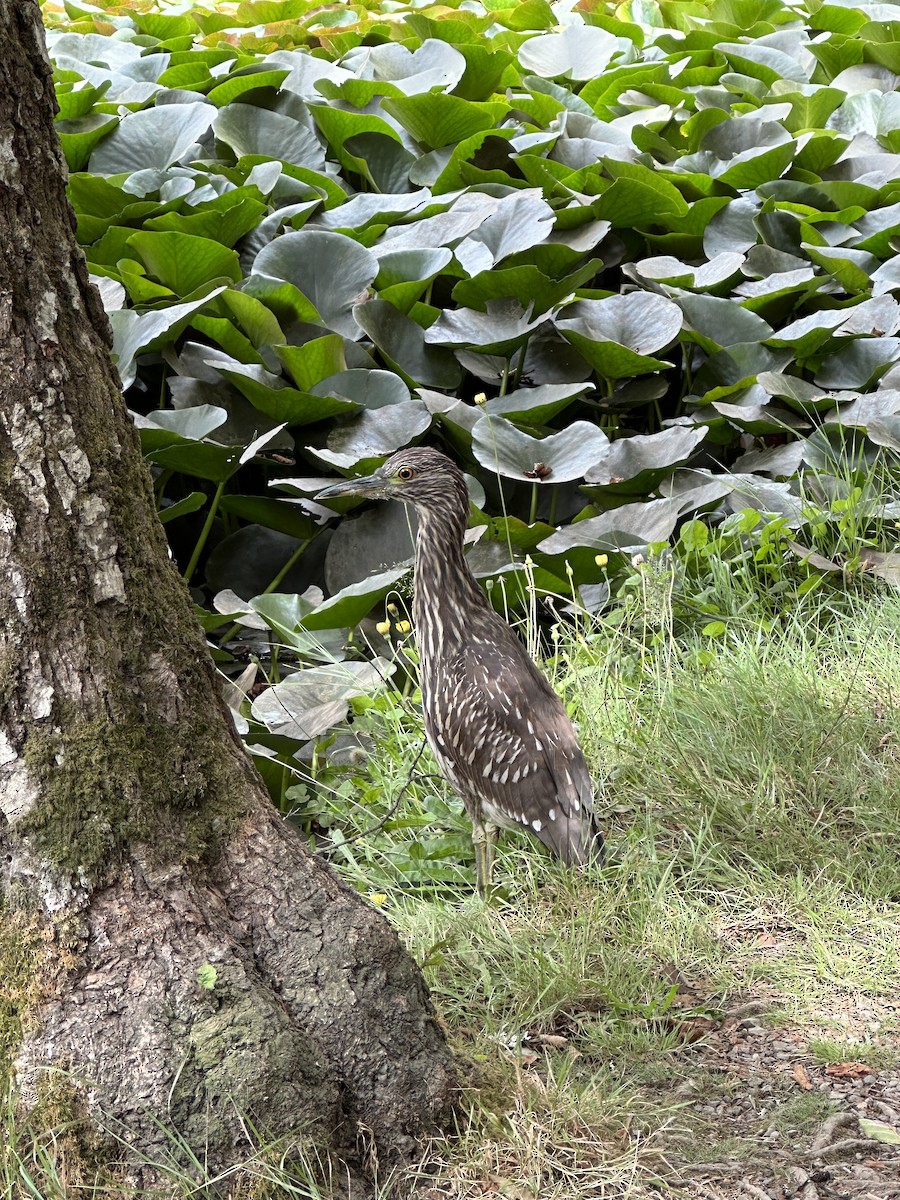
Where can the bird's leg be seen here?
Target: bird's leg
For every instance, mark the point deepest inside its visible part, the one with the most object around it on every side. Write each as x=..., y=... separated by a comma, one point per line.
x=479, y=844
x=489, y=850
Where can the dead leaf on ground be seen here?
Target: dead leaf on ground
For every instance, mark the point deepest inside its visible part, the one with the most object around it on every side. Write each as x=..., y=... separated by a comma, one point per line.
x=849, y=1070
x=814, y=560
x=550, y=1039
x=694, y=1030
x=885, y=566
x=766, y=940
x=801, y=1075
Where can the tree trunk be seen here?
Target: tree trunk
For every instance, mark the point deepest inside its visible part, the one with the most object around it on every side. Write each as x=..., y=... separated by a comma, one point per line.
x=137, y=844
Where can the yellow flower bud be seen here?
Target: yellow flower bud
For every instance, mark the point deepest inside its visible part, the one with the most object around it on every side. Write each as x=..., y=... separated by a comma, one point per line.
x=378, y=898
x=481, y=398
x=403, y=627
x=384, y=628
x=601, y=559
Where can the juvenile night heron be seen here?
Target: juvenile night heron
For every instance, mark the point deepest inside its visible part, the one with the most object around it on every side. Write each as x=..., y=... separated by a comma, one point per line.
x=499, y=732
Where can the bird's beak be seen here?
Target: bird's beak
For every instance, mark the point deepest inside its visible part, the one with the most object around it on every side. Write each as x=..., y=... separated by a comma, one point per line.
x=368, y=485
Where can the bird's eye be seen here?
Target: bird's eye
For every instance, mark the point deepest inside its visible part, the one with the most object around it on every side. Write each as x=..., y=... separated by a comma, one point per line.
x=405, y=473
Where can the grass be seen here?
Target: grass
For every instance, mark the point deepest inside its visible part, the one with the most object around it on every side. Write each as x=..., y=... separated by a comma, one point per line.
x=749, y=791
x=751, y=802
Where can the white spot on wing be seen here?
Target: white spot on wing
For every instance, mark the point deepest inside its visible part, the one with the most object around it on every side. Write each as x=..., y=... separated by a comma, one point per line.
x=536, y=826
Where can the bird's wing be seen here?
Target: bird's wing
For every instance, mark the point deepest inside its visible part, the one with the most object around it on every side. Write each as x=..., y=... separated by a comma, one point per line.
x=511, y=744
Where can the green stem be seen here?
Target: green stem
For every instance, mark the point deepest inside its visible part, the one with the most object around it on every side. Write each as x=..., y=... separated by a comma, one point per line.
x=204, y=533
x=532, y=515
x=291, y=562
x=521, y=364
x=160, y=483
x=554, y=496
x=504, y=379
x=234, y=629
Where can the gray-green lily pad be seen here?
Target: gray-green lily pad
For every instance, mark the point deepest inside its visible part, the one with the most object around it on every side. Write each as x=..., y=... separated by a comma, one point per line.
x=154, y=137
x=619, y=335
x=502, y=447
x=137, y=333
x=857, y=365
x=375, y=433
x=247, y=129
x=332, y=271
x=637, y=464
x=352, y=603
x=578, y=52
x=402, y=344
x=179, y=441
x=308, y=704
x=631, y=527
x=381, y=536
x=369, y=389
x=718, y=272
x=536, y=405
x=500, y=330
x=433, y=64
x=715, y=322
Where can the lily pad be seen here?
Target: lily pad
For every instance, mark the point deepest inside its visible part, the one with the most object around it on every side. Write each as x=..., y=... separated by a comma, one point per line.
x=578, y=52
x=618, y=335
x=637, y=464
x=331, y=271
x=502, y=447
x=154, y=137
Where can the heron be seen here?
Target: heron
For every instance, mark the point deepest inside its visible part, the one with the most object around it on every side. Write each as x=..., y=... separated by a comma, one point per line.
x=499, y=732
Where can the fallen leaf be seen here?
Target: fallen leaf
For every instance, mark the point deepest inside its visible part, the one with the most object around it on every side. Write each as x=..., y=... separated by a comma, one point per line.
x=849, y=1070
x=814, y=560
x=801, y=1075
x=766, y=940
x=694, y=1030
x=551, y=1039
x=879, y=1131
x=885, y=566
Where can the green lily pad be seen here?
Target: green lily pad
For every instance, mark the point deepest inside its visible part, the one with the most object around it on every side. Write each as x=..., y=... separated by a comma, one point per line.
x=183, y=262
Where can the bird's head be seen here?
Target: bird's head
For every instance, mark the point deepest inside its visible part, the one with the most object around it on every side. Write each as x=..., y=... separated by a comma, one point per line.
x=419, y=476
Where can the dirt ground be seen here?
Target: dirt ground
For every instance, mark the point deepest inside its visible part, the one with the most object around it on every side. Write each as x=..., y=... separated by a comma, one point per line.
x=764, y=1119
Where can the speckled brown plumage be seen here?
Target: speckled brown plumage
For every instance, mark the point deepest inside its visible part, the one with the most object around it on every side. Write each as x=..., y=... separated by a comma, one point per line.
x=498, y=730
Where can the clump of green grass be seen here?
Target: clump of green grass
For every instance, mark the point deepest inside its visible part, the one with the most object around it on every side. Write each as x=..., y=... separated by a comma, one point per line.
x=875, y=1055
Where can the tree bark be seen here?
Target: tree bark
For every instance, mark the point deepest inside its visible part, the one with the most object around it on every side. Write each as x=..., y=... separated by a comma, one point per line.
x=137, y=843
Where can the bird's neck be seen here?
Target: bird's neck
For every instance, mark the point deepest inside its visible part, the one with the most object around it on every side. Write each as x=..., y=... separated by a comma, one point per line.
x=445, y=588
